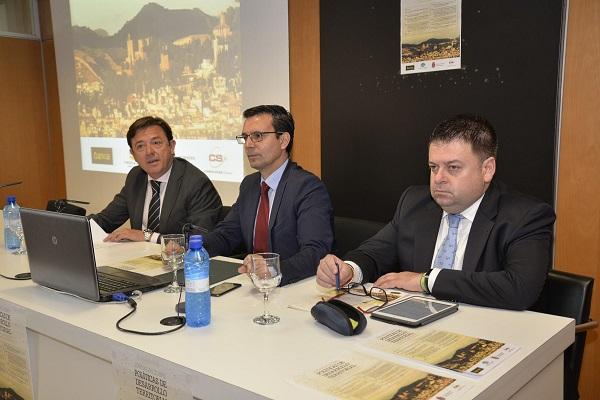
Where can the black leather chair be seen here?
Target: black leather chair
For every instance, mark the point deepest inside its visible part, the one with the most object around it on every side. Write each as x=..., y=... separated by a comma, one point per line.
x=351, y=232
x=569, y=295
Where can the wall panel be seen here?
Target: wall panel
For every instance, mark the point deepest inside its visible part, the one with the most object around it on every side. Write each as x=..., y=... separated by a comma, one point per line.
x=578, y=201
x=31, y=145
x=24, y=144
x=305, y=82
x=377, y=121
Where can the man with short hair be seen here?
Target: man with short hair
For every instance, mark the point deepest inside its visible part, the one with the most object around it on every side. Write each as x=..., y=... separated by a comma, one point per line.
x=464, y=238
x=162, y=193
x=281, y=208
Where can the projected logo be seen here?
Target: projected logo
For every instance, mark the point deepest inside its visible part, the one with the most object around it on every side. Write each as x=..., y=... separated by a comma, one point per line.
x=216, y=157
x=102, y=155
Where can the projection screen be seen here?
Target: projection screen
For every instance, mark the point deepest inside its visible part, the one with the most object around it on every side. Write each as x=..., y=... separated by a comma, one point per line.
x=196, y=63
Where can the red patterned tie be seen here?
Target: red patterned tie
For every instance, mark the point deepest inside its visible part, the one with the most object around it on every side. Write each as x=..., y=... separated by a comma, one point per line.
x=261, y=231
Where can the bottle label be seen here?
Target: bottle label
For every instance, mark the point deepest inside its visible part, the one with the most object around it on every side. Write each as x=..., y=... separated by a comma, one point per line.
x=196, y=285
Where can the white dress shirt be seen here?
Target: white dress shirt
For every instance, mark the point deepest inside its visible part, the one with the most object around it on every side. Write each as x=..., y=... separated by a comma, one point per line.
x=272, y=181
x=464, y=228
x=164, y=180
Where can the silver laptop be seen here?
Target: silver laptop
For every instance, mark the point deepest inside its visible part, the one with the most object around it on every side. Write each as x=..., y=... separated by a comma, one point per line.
x=61, y=257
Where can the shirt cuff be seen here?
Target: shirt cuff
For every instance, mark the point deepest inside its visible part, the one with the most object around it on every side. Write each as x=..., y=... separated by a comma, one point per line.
x=432, y=277
x=155, y=237
x=358, y=275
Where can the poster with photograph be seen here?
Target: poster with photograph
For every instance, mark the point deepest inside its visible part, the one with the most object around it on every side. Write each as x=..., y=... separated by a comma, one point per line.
x=142, y=377
x=15, y=371
x=359, y=376
x=449, y=350
x=430, y=35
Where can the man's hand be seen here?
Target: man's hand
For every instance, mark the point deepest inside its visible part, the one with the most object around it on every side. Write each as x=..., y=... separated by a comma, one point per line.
x=124, y=235
x=401, y=280
x=246, y=265
x=328, y=268
x=260, y=265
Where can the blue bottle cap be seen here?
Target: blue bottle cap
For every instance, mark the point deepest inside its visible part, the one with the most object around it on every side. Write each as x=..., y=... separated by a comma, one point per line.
x=11, y=199
x=196, y=242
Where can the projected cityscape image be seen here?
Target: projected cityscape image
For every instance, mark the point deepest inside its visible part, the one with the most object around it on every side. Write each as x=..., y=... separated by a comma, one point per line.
x=180, y=64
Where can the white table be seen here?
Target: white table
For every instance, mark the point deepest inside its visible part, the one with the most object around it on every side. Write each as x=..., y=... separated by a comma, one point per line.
x=71, y=340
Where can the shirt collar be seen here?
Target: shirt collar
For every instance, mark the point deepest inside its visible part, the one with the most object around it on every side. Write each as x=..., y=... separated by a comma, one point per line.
x=469, y=212
x=164, y=177
x=275, y=177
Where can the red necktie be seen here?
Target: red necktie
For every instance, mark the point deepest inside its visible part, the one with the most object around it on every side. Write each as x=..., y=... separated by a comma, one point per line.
x=261, y=231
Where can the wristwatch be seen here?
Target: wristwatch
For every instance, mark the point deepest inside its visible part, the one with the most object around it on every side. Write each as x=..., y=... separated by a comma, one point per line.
x=425, y=282
x=147, y=234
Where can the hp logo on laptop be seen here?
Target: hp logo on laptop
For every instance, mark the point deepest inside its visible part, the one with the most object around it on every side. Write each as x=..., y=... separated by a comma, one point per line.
x=54, y=240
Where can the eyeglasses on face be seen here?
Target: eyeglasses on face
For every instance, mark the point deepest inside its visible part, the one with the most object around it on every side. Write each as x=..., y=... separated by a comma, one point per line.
x=254, y=136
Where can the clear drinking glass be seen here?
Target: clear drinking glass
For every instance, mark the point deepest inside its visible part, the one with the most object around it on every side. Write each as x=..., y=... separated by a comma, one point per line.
x=172, y=252
x=18, y=231
x=266, y=275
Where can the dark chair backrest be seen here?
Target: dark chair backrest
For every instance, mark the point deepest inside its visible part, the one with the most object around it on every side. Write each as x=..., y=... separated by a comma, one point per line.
x=351, y=232
x=568, y=295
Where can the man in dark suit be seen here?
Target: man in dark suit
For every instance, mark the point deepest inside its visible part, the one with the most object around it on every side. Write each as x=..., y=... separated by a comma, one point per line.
x=281, y=208
x=162, y=193
x=464, y=238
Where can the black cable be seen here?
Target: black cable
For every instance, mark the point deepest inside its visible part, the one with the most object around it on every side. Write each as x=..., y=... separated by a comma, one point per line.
x=133, y=305
x=18, y=277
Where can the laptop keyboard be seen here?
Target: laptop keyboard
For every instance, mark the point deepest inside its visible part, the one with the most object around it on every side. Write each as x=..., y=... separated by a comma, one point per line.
x=111, y=283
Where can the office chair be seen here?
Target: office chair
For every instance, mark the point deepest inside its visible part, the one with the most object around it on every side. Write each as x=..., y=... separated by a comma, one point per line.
x=569, y=295
x=351, y=232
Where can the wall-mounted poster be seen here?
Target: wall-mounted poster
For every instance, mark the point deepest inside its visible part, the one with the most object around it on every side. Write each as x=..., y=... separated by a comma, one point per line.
x=430, y=33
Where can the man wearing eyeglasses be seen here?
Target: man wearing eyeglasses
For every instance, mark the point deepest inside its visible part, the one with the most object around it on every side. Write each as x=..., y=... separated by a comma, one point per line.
x=465, y=238
x=162, y=193
x=281, y=208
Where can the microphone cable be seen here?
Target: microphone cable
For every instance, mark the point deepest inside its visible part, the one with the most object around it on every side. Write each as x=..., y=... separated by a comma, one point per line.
x=133, y=304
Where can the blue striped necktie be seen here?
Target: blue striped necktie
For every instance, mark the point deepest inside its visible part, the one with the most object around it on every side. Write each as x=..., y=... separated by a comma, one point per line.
x=154, y=208
x=447, y=251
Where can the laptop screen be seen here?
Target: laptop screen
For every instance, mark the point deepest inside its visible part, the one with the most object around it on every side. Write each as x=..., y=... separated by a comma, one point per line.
x=60, y=251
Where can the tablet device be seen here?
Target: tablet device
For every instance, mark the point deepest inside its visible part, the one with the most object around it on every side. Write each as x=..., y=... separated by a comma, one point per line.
x=415, y=311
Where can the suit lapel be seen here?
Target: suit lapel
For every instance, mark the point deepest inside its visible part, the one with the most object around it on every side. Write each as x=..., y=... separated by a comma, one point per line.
x=249, y=217
x=279, y=195
x=141, y=186
x=481, y=228
x=171, y=194
x=426, y=231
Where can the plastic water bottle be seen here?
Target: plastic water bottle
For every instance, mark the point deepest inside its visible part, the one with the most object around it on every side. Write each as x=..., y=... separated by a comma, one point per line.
x=12, y=218
x=197, y=294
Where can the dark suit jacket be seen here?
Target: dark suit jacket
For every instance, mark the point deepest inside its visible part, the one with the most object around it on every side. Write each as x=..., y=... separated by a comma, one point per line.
x=190, y=197
x=300, y=224
x=506, y=260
